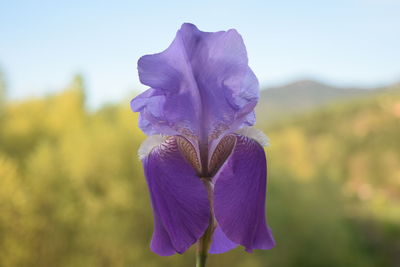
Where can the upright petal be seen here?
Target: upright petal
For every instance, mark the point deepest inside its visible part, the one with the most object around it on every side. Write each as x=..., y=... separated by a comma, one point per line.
x=179, y=199
x=239, y=196
x=201, y=85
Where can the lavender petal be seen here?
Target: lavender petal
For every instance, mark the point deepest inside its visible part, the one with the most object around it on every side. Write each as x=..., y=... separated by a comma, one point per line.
x=201, y=85
x=220, y=243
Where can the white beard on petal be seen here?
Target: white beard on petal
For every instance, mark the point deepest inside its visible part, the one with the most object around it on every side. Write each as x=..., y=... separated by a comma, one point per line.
x=255, y=134
x=151, y=142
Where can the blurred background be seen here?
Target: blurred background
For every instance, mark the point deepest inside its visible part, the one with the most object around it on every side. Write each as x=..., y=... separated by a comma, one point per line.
x=72, y=191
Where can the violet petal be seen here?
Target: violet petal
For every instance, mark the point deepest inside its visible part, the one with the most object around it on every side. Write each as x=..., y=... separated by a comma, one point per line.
x=239, y=196
x=179, y=199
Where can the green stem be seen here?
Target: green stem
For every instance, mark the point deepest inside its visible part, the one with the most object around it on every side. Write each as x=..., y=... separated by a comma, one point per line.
x=203, y=246
x=204, y=243
x=201, y=260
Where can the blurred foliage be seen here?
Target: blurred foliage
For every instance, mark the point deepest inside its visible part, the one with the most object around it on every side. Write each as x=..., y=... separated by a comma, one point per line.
x=72, y=191
x=2, y=92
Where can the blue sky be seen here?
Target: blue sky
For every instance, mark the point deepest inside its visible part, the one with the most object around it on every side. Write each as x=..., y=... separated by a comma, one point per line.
x=44, y=43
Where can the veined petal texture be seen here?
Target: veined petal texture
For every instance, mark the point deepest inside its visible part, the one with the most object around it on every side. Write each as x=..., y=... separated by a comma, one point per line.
x=239, y=196
x=179, y=199
x=201, y=86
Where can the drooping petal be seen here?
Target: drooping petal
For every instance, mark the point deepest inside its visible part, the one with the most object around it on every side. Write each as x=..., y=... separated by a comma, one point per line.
x=201, y=85
x=179, y=199
x=220, y=243
x=239, y=196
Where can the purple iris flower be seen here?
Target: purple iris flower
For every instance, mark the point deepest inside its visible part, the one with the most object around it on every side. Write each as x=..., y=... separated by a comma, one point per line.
x=205, y=167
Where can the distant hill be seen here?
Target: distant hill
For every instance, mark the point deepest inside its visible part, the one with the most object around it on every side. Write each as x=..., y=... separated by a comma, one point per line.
x=305, y=95
x=356, y=146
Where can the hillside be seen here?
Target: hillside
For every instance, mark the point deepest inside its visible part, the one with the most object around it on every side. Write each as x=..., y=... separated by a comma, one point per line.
x=355, y=148
x=302, y=96
x=360, y=136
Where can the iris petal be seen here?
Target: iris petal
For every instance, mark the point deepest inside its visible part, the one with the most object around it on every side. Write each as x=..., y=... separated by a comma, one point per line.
x=201, y=86
x=221, y=243
x=179, y=199
x=239, y=196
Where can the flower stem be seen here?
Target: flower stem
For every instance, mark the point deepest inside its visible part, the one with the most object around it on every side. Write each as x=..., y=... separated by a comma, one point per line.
x=204, y=246
x=201, y=260
x=204, y=243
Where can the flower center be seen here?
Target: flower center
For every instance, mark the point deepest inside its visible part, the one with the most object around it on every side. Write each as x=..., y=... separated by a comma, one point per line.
x=207, y=167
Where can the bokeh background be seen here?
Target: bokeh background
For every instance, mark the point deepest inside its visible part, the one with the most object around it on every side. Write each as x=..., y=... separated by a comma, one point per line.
x=72, y=191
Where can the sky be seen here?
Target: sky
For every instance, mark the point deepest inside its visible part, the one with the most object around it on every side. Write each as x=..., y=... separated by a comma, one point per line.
x=43, y=44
